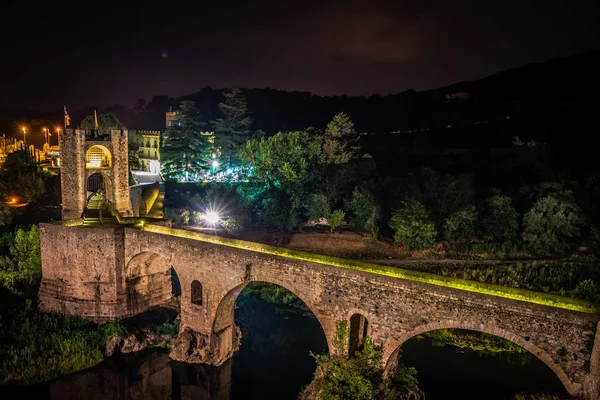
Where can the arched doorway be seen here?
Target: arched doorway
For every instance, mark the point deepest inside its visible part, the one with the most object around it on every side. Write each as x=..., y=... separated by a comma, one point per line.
x=98, y=157
x=462, y=360
x=281, y=336
x=95, y=183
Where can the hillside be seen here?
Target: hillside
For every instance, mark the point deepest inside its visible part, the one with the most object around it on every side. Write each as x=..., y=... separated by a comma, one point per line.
x=554, y=101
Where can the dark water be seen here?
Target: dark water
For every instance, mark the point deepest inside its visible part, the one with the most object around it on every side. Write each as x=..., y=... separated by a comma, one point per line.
x=453, y=373
x=274, y=363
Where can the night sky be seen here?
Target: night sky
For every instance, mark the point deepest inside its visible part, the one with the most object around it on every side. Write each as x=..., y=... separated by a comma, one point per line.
x=55, y=53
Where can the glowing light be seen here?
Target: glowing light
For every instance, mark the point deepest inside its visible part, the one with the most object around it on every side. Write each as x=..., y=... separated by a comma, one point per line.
x=212, y=217
x=229, y=171
x=215, y=164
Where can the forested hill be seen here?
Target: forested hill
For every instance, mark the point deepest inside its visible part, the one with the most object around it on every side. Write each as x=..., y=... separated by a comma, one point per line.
x=557, y=102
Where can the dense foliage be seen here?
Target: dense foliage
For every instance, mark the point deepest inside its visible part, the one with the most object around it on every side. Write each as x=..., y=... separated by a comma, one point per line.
x=359, y=376
x=412, y=226
x=185, y=149
x=553, y=225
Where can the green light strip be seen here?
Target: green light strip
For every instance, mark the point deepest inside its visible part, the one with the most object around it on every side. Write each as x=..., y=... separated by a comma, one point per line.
x=439, y=280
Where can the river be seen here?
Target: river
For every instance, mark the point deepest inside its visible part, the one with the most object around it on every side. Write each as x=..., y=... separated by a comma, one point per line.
x=274, y=363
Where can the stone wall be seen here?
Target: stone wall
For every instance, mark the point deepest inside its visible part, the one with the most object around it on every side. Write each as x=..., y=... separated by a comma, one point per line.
x=74, y=173
x=396, y=309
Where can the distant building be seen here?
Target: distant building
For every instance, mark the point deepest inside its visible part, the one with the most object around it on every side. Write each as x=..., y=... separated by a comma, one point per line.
x=149, y=151
x=171, y=118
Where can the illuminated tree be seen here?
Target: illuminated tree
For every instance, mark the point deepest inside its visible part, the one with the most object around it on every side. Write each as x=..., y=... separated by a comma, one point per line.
x=184, y=149
x=233, y=129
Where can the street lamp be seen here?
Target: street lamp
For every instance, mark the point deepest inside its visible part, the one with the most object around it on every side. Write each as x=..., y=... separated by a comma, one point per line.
x=58, y=135
x=45, y=130
x=24, y=132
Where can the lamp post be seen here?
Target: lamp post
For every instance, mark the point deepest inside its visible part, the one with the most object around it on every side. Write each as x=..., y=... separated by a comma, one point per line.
x=45, y=130
x=24, y=142
x=58, y=135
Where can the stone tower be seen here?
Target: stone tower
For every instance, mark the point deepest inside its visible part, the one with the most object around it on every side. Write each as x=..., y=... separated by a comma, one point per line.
x=90, y=162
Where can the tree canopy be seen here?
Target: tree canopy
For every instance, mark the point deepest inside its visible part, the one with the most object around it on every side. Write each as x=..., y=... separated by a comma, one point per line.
x=184, y=148
x=234, y=127
x=105, y=121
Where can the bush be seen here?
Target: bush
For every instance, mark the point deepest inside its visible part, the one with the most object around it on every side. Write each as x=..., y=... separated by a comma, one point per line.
x=179, y=216
x=335, y=219
x=24, y=268
x=318, y=207
x=364, y=212
x=195, y=217
x=461, y=225
x=501, y=220
x=412, y=226
x=587, y=289
x=552, y=226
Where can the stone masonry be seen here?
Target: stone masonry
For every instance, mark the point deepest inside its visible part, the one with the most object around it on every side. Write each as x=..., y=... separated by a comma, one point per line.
x=107, y=274
x=74, y=174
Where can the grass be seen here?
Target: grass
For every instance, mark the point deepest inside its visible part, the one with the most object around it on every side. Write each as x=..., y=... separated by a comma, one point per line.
x=38, y=347
x=394, y=272
x=554, y=277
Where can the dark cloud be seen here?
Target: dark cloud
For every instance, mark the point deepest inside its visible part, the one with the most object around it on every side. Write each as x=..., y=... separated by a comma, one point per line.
x=106, y=53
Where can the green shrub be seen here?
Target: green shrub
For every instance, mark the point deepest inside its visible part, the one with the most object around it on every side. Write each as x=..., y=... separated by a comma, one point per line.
x=552, y=226
x=412, y=226
x=587, y=289
x=318, y=207
x=335, y=220
x=195, y=217
x=500, y=220
x=364, y=212
x=461, y=225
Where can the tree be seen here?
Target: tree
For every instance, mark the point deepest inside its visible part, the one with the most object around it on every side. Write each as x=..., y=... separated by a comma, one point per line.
x=289, y=166
x=335, y=219
x=134, y=141
x=501, y=220
x=553, y=224
x=412, y=226
x=184, y=149
x=461, y=225
x=24, y=267
x=318, y=207
x=23, y=177
x=105, y=121
x=341, y=141
x=364, y=212
x=233, y=129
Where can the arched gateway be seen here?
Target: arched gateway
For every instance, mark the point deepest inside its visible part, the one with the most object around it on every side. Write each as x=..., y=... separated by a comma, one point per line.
x=90, y=271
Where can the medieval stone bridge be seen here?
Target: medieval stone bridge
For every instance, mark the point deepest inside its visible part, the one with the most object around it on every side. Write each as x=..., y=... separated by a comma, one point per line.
x=110, y=273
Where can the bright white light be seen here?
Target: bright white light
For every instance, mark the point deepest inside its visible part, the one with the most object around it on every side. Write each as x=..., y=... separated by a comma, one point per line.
x=215, y=164
x=229, y=171
x=212, y=217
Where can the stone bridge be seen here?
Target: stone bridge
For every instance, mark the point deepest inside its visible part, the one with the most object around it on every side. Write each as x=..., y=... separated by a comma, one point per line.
x=107, y=274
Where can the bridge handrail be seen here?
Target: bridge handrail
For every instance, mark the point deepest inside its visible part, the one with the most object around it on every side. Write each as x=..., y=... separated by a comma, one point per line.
x=439, y=280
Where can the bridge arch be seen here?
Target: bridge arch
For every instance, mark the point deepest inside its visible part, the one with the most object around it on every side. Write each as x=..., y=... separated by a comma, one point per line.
x=148, y=281
x=224, y=315
x=393, y=347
